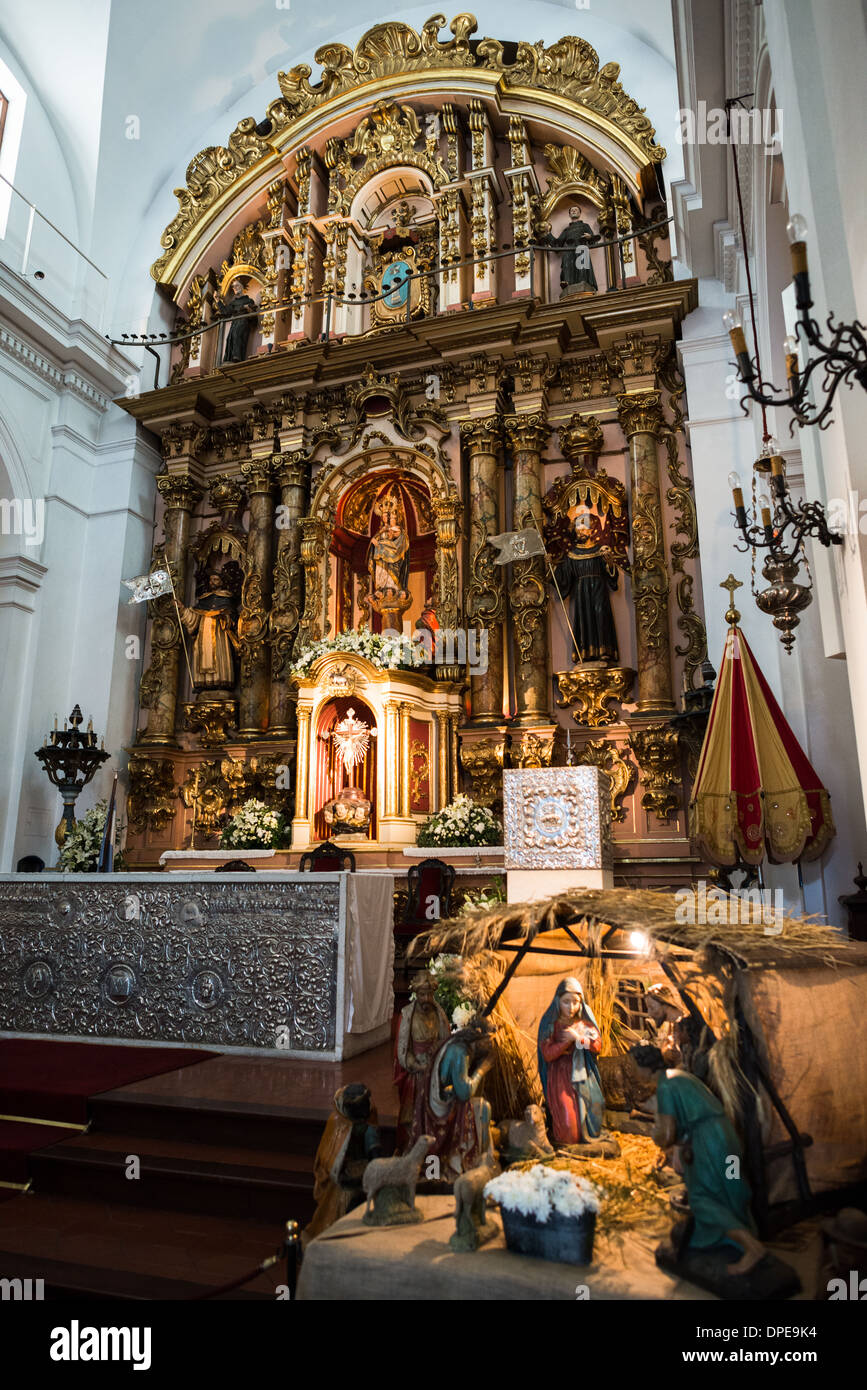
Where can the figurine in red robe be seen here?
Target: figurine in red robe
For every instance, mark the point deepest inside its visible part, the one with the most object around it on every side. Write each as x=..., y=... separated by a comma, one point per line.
x=568, y=1041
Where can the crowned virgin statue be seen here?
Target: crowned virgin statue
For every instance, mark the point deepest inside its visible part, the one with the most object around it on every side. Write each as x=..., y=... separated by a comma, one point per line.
x=388, y=563
x=568, y=1042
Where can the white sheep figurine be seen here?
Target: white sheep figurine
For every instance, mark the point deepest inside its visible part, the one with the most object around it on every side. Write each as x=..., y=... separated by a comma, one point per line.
x=396, y=1179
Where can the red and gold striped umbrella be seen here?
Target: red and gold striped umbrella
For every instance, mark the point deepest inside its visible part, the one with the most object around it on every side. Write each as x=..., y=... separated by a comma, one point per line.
x=756, y=792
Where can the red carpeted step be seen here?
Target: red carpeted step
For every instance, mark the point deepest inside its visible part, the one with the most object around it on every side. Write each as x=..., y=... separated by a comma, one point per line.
x=17, y=1140
x=47, y=1080
x=262, y=1184
x=100, y=1250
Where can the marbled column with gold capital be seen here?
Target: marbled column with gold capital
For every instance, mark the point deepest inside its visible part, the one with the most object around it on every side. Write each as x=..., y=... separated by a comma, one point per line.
x=159, y=684
x=256, y=600
x=641, y=419
x=290, y=474
x=485, y=595
x=528, y=598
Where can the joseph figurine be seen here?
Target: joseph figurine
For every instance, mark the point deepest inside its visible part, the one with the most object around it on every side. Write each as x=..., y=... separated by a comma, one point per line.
x=692, y=1126
x=210, y=621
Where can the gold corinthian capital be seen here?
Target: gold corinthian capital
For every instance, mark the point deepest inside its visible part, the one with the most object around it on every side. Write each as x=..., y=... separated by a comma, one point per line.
x=640, y=412
x=527, y=432
x=484, y=435
x=179, y=491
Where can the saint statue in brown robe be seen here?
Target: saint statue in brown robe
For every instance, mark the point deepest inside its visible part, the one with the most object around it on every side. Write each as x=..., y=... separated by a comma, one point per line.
x=211, y=623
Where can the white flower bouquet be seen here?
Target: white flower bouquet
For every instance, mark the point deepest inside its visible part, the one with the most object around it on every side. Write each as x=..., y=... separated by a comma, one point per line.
x=462, y=823
x=388, y=652
x=541, y=1191
x=448, y=977
x=549, y=1213
x=79, y=853
x=255, y=826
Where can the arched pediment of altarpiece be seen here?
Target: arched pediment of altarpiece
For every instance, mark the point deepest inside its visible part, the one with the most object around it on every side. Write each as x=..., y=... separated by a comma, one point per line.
x=335, y=480
x=561, y=88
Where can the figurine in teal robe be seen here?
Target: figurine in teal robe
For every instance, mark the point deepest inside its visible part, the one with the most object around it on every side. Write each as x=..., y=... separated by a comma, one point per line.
x=691, y=1121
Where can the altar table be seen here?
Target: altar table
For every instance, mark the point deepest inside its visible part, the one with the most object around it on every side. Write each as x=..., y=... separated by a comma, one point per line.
x=295, y=964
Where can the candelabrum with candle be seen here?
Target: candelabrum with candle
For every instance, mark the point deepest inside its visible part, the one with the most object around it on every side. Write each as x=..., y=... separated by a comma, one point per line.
x=777, y=524
x=842, y=356
x=70, y=758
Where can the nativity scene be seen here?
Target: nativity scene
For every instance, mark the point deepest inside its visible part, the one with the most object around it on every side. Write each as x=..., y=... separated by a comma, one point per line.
x=443, y=888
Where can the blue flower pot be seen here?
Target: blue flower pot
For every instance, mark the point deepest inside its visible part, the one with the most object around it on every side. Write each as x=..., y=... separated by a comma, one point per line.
x=568, y=1239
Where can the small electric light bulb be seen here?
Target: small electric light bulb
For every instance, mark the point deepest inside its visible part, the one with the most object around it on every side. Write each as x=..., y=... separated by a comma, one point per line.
x=731, y=321
x=796, y=228
x=734, y=480
x=790, y=344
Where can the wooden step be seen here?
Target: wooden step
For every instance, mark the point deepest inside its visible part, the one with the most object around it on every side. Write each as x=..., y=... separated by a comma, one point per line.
x=105, y=1250
x=263, y=1184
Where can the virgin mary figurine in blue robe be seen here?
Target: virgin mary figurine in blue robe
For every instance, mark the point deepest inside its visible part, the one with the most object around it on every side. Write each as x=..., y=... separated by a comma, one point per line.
x=568, y=1042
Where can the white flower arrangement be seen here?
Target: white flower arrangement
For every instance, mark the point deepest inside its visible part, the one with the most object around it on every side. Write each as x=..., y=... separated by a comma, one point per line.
x=387, y=652
x=79, y=853
x=255, y=826
x=447, y=974
x=462, y=823
x=541, y=1191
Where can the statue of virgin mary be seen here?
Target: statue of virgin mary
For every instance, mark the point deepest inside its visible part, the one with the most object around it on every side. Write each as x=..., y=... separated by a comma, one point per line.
x=568, y=1041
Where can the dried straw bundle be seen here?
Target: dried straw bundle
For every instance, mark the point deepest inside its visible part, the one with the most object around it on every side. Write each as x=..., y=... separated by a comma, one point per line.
x=801, y=940
x=630, y=1197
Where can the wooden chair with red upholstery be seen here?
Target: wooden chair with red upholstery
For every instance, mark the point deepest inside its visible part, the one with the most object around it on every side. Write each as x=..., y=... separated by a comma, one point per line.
x=328, y=858
x=430, y=896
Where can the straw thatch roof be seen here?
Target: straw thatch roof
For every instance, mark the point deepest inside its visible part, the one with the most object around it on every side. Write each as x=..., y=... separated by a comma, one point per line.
x=790, y=941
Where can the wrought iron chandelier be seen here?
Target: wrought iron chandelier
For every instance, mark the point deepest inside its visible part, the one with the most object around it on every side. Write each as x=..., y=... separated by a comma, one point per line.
x=70, y=758
x=843, y=357
x=775, y=523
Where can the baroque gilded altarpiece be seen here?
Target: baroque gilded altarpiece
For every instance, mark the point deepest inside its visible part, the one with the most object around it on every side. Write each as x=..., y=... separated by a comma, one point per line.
x=422, y=358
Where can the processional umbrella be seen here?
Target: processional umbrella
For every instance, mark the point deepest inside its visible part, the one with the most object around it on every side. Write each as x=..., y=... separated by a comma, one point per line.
x=756, y=792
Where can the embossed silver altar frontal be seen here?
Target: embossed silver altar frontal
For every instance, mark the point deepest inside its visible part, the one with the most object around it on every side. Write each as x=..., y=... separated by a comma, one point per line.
x=557, y=818
x=231, y=964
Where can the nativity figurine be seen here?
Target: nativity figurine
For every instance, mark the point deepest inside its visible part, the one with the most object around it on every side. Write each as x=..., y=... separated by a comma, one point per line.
x=569, y=1041
x=694, y=1129
x=424, y=1026
x=452, y=1111
x=349, y=1142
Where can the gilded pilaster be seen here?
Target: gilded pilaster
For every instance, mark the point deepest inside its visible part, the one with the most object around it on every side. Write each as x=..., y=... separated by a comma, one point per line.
x=391, y=758
x=159, y=685
x=256, y=600
x=485, y=596
x=290, y=473
x=443, y=759
x=405, y=757
x=641, y=419
x=302, y=781
x=527, y=435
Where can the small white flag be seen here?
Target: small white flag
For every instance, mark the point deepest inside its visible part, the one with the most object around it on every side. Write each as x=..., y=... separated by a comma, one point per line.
x=517, y=545
x=148, y=586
